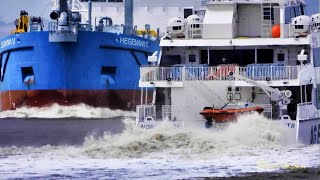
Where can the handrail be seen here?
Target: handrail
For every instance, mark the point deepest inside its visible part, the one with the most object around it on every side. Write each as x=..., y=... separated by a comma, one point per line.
x=304, y=104
x=218, y=73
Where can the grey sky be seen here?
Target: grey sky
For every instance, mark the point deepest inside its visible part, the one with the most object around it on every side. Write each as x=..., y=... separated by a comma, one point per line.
x=10, y=9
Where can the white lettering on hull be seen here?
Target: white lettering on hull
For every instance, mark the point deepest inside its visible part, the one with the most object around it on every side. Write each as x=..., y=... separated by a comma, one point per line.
x=133, y=42
x=8, y=42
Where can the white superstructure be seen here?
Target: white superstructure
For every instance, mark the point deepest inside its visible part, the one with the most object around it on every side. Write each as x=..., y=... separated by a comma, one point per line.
x=265, y=46
x=154, y=13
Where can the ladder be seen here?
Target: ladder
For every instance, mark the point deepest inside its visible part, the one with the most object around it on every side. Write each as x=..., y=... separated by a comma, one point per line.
x=266, y=19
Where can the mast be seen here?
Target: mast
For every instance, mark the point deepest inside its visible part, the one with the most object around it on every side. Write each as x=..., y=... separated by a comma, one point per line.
x=128, y=16
x=89, y=15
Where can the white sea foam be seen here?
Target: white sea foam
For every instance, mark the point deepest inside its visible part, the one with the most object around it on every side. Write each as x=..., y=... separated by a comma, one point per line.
x=249, y=136
x=254, y=144
x=58, y=111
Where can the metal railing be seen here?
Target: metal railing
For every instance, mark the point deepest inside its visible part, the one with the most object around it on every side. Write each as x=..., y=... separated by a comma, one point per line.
x=54, y=26
x=306, y=111
x=146, y=112
x=166, y=112
x=162, y=74
x=270, y=73
x=219, y=73
x=285, y=2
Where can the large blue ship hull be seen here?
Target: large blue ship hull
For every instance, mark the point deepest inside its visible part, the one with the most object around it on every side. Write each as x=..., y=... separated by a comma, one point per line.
x=100, y=69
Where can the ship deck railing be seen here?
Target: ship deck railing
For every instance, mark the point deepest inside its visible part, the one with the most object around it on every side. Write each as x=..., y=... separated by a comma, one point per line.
x=145, y=111
x=218, y=73
x=285, y=2
x=54, y=26
x=307, y=110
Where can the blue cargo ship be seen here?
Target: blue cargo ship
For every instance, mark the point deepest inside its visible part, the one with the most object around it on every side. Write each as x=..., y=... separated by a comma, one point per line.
x=70, y=63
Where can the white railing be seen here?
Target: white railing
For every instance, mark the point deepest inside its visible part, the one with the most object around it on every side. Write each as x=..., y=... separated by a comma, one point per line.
x=166, y=112
x=146, y=117
x=285, y=2
x=161, y=74
x=219, y=73
x=210, y=73
x=307, y=111
x=304, y=104
x=146, y=113
x=269, y=73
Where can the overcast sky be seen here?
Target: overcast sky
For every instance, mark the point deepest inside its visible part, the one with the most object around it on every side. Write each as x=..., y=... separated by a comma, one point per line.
x=10, y=10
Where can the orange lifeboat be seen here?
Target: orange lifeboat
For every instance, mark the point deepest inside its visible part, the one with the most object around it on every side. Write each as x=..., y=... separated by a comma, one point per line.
x=226, y=115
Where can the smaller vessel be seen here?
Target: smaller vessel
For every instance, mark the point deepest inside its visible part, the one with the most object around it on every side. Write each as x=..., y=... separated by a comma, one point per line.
x=236, y=52
x=226, y=115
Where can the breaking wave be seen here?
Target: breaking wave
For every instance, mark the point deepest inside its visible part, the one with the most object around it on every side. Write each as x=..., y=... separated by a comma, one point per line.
x=251, y=135
x=58, y=111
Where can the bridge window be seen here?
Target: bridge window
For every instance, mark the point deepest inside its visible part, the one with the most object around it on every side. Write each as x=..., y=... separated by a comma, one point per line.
x=187, y=12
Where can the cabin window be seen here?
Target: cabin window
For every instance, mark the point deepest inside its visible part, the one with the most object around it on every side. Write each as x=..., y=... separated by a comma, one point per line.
x=192, y=58
x=195, y=25
x=265, y=55
x=187, y=12
x=204, y=56
x=175, y=28
x=170, y=60
x=200, y=12
x=241, y=57
x=281, y=57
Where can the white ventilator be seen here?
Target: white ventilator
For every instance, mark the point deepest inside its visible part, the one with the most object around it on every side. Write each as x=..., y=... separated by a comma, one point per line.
x=176, y=27
x=301, y=25
x=315, y=22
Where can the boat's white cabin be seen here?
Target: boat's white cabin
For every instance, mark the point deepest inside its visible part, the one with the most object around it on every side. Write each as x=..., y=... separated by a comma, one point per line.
x=229, y=19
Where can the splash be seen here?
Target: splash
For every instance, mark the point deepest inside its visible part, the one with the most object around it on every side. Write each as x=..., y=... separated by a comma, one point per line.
x=58, y=111
x=254, y=144
x=249, y=136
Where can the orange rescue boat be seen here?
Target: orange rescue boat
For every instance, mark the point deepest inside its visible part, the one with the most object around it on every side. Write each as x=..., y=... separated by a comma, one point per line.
x=226, y=115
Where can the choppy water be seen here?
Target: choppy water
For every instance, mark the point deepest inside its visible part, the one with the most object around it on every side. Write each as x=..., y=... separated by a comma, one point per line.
x=254, y=144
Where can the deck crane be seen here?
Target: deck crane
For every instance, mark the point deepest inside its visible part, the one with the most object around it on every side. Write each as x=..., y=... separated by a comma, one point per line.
x=281, y=98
